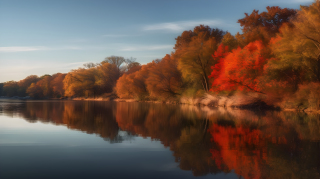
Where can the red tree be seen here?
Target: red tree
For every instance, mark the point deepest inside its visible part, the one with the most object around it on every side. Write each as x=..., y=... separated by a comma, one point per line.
x=239, y=69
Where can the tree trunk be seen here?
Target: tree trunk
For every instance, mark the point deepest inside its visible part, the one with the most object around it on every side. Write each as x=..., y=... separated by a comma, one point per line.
x=318, y=69
x=206, y=81
x=203, y=85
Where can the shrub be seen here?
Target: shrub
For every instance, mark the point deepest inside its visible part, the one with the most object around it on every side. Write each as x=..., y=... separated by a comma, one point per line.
x=307, y=96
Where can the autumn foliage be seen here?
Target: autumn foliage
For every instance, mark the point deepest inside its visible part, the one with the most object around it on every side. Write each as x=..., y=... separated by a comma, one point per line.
x=276, y=54
x=164, y=79
x=133, y=85
x=265, y=25
x=239, y=69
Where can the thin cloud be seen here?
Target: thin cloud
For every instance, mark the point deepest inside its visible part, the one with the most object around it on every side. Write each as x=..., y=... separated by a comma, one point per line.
x=37, y=48
x=30, y=67
x=114, y=35
x=21, y=49
x=71, y=66
x=147, y=48
x=78, y=40
x=181, y=25
x=68, y=48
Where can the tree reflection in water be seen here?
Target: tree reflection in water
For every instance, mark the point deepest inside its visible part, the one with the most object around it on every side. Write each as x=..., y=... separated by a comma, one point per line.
x=253, y=144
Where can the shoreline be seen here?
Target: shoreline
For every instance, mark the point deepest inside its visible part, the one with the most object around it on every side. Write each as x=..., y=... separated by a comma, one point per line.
x=256, y=105
x=211, y=101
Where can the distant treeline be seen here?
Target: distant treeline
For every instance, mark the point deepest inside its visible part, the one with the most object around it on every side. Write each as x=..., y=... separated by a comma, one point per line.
x=277, y=54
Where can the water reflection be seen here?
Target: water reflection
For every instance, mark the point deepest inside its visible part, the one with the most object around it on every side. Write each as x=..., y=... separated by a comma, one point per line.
x=90, y=117
x=203, y=140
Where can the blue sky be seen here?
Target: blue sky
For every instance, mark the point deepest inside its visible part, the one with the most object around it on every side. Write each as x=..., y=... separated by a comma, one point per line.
x=49, y=36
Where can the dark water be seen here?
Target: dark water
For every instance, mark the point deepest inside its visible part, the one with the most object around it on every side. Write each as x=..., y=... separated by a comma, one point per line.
x=78, y=139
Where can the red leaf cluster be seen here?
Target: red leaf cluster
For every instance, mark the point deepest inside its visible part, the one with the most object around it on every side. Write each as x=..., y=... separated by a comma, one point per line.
x=239, y=69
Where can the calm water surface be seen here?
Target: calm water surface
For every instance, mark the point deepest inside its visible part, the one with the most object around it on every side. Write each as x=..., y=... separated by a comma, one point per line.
x=80, y=139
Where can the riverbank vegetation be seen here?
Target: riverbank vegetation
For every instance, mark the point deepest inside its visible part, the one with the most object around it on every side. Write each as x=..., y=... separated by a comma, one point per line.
x=275, y=60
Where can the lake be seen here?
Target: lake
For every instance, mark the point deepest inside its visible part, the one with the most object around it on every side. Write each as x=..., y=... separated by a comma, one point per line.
x=86, y=139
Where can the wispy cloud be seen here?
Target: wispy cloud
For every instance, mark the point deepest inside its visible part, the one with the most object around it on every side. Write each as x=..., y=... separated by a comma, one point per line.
x=21, y=49
x=114, y=35
x=68, y=48
x=36, y=48
x=146, y=48
x=70, y=66
x=182, y=25
x=12, y=68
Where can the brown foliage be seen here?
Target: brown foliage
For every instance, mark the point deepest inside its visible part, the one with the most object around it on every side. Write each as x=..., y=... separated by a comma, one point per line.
x=133, y=85
x=164, y=79
x=193, y=51
x=10, y=88
x=306, y=97
x=57, y=84
x=263, y=26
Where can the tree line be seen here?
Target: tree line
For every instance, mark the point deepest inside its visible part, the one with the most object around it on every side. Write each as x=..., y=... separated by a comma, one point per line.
x=277, y=53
